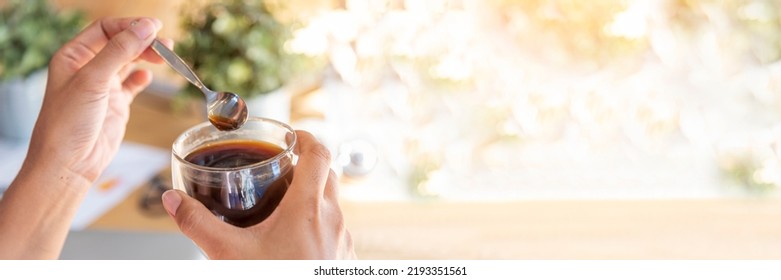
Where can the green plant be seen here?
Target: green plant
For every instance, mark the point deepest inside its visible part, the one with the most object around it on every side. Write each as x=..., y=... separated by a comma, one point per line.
x=236, y=46
x=30, y=32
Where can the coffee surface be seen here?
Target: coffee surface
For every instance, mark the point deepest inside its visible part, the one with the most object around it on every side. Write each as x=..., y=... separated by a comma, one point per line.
x=232, y=154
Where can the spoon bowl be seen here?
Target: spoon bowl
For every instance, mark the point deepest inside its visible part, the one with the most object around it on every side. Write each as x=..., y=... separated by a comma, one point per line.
x=226, y=110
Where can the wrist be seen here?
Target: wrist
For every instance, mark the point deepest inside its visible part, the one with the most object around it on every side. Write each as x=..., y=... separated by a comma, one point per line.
x=51, y=176
x=39, y=205
x=47, y=161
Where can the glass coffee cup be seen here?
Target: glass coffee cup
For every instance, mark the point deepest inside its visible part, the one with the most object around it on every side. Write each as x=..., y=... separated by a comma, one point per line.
x=240, y=175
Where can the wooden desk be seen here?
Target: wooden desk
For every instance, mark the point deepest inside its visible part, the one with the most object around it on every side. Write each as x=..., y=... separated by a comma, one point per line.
x=651, y=229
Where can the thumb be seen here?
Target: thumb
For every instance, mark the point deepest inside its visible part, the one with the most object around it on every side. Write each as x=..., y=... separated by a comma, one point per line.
x=195, y=221
x=123, y=48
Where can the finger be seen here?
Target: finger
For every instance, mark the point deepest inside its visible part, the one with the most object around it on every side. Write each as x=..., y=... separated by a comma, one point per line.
x=136, y=82
x=347, y=247
x=331, y=191
x=311, y=171
x=99, y=33
x=88, y=43
x=122, y=49
x=197, y=222
x=126, y=70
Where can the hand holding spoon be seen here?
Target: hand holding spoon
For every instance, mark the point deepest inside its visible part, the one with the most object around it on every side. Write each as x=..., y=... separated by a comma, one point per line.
x=226, y=110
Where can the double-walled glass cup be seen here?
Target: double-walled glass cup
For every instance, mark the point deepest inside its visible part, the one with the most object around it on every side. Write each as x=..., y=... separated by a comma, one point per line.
x=242, y=195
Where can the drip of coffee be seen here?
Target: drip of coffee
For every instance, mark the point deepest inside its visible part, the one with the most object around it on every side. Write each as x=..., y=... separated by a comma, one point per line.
x=240, y=200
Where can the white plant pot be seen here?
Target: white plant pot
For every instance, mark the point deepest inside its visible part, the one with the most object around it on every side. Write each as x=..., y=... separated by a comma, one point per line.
x=20, y=103
x=273, y=105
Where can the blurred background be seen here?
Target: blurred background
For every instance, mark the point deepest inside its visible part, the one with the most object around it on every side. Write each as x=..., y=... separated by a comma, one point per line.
x=477, y=120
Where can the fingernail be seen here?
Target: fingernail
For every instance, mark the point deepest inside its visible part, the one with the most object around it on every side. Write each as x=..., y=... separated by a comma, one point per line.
x=171, y=201
x=142, y=28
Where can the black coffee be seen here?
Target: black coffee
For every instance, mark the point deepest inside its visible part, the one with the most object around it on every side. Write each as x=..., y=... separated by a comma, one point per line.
x=232, y=154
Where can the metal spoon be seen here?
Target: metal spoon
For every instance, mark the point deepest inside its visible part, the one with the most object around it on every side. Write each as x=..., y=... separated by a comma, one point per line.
x=226, y=110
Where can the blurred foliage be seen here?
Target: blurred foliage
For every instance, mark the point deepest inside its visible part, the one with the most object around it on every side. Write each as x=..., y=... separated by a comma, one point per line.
x=581, y=26
x=749, y=26
x=237, y=46
x=30, y=32
x=578, y=26
x=498, y=76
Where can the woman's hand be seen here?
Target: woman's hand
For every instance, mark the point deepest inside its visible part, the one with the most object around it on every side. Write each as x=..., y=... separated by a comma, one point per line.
x=91, y=83
x=307, y=224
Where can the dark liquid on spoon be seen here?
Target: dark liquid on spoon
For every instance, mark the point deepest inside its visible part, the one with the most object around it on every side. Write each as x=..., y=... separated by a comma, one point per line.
x=228, y=113
x=224, y=124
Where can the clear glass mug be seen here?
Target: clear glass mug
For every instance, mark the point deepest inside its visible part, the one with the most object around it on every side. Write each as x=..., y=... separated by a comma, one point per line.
x=243, y=195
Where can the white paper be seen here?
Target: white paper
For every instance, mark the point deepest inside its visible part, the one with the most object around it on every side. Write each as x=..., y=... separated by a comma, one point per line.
x=133, y=165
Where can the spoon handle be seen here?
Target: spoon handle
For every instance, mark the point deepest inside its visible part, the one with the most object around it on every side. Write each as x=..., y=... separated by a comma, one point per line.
x=177, y=63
